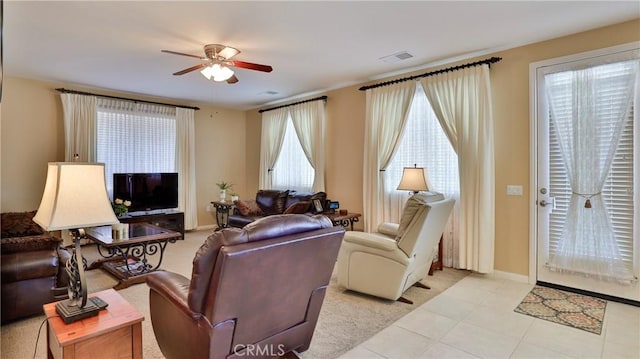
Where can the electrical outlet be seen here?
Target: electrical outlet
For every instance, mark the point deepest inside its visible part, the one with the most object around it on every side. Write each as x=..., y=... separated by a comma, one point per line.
x=514, y=190
x=209, y=208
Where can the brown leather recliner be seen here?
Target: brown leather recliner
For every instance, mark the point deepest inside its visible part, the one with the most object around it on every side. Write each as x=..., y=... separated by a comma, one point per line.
x=254, y=292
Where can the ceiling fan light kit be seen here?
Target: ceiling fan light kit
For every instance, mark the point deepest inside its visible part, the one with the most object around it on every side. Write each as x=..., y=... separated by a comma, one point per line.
x=216, y=65
x=217, y=72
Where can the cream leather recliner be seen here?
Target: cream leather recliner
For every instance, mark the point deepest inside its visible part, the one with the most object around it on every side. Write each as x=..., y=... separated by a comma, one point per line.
x=386, y=263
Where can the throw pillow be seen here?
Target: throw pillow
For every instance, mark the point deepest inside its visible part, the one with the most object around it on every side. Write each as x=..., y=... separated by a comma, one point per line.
x=242, y=207
x=248, y=208
x=19, y=224
x=301, y=207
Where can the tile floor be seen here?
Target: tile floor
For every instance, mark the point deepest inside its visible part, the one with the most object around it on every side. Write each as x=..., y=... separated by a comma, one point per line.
x=475, y=319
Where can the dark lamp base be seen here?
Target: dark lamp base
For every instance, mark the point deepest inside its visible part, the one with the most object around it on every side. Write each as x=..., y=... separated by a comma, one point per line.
x=70, y=314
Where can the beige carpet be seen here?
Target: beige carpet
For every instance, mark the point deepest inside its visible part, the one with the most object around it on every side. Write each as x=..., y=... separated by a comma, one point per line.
x=347, y=318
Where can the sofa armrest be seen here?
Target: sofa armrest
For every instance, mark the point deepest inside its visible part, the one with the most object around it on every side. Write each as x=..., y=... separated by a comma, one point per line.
x=371, y=240
x=62, y=279
x=29, y=243
x=389, y=229
x=19, y=266
x=173, y=287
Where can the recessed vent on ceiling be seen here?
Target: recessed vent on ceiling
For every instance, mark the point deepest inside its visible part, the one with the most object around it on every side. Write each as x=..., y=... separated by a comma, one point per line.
x=398, y=56
x=270, y=93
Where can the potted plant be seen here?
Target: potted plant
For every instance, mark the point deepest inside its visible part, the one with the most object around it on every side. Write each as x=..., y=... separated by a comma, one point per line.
x=234, y=197
x=224, y=186
x=121, y=207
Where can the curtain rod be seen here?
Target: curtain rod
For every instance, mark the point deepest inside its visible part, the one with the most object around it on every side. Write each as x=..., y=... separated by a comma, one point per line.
x=63, y=90
x=488, y=61
x=324, y=98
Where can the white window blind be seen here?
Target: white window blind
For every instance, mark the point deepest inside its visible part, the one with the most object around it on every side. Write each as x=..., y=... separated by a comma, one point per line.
x=618, y=191
x=292, y=170
x=424, y=144
x=133, y=137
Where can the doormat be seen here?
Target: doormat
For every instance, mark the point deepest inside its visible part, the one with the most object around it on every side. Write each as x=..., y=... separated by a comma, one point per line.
x=571, y=309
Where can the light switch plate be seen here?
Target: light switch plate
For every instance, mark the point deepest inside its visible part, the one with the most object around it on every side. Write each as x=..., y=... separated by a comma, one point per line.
x=514, y=190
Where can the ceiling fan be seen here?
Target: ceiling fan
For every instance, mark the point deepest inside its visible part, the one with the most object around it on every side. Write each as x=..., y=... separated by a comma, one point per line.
x=217, y=61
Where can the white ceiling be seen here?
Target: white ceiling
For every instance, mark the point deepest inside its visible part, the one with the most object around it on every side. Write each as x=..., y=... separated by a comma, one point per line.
x=312, y=46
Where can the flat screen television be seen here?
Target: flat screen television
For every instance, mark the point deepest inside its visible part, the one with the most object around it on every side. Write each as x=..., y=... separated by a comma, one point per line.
x=147, y=191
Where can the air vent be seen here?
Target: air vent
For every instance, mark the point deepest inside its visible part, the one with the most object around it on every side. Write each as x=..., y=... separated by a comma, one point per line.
x=398, y=56
x=270, y=93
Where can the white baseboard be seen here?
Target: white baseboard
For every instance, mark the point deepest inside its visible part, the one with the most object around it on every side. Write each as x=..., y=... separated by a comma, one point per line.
x=511, y=276
x=209, y=226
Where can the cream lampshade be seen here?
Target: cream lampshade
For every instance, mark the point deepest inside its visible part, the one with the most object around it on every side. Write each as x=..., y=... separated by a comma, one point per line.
x=75, y=196
x=413, y=179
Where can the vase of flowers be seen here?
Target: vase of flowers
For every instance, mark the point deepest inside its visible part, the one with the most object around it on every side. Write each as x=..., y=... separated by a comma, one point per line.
x=121, y=207
x=223, y=186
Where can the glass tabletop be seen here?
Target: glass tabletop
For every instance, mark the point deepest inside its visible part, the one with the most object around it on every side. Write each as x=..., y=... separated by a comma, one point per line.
x=138, y=232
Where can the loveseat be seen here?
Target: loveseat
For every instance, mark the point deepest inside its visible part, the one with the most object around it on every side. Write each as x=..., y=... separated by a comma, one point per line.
x=271, y=202
x=32, y=265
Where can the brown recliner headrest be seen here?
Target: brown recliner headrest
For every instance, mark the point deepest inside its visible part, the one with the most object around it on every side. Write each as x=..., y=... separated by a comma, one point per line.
x=262, y=229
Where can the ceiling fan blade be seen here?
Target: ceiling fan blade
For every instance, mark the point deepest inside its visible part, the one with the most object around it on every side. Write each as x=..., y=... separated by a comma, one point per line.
x=192, y=68
x=183, y=54
x=250, y=66
x=232, y=80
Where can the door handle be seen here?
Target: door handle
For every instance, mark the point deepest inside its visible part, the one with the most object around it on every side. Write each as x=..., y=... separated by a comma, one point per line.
x=544, y=203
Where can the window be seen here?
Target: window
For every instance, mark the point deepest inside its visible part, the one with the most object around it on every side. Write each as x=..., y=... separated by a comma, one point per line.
x=135, y=137
x=424, y=144
x=292, y=170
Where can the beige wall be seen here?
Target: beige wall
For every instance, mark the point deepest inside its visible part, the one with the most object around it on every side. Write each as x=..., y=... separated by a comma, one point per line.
x=510, y=91
x=33, y=134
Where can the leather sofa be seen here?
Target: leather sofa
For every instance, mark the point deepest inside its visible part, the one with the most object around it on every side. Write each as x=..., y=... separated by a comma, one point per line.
x=33, y=267
x=253, y=292
x=272, y=202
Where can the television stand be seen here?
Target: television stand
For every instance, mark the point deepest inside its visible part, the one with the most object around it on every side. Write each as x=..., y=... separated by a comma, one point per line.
x=172, y=220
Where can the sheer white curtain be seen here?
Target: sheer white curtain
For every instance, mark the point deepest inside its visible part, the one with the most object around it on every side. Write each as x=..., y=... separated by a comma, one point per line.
x=186, y=166
x=274, y=124
x=292, y=171
x=386, y=114
x=424, y=143
x=79, y=126
x=589, y=108
x=309, y=122
x=462, y=102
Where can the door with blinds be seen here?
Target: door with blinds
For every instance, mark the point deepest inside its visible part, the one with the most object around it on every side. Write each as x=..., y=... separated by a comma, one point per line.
x=587, y=199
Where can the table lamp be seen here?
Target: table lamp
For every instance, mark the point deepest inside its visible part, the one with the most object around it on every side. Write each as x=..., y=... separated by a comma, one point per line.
x=413, y=179
x=75, y=197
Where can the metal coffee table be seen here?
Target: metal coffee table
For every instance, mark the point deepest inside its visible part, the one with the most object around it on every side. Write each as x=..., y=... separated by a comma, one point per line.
x=129, y=259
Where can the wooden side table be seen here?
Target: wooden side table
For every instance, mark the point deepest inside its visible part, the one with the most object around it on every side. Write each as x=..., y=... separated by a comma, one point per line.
x=345, y=220
x=437, y=262
x=116, y=332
